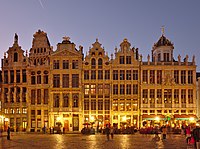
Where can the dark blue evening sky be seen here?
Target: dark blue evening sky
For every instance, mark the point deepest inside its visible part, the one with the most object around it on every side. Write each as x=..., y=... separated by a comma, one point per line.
x=110, y=21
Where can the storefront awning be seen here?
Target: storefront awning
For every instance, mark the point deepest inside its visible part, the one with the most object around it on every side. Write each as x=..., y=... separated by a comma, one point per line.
x=185, y=117
x=153, y=117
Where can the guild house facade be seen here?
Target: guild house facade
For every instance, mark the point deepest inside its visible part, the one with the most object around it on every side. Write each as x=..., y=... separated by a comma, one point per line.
x=62, y=87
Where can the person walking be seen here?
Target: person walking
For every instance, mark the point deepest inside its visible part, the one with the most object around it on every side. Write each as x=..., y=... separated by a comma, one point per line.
x=8, y=132
x=196, y=135
x=107, y=132
x=112, y=132
x=164, y=132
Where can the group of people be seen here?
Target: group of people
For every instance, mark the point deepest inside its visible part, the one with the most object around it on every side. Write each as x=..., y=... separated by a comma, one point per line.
x=109, y=131
x=192, y=134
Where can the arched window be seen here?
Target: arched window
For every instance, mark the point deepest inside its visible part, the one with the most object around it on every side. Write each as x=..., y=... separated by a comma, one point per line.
x=100, y=63
x=15, y=57
x=93, y=63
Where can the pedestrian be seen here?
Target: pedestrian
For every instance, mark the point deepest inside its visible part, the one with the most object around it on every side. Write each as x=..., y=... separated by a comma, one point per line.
x=112, y=132
x=8, y=132
x=196, y=135
x=164, y=132
x=61, y=129
x=107, y=132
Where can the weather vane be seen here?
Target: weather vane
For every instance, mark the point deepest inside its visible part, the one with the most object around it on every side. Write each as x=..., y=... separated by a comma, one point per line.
x=163, y=29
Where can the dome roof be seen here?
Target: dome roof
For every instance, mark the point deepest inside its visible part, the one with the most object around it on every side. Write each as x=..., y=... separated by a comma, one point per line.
x=163, y=41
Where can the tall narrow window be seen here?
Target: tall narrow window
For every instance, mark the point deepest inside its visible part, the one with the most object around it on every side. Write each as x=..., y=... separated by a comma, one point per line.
x=176, y=76
x=65, y=100
x=135, y=74
x=56, y=102
x=190, y=77
x=100, y=62
x=65, y=64
x=145, y=96
x=46, y=77
x=93, y=74
x=100, y=74
x=18, y=76
x=56, y=64
x=176, y=96
x=183, y=77
x=86, y=74
x=122, y=74
x=152, y=76
x=75, y=101
x=38, y=96
x=159, y=76
x=128, y=59
x=128, y=74
x=128, y=89
x=39, y=79
x=6, y=76
x=33, y=95
x=122, y=89
x=15, y=57
x=93, y=104
x=93, y=63
x=65, y=80
x=159, y=96
x=190, y=96
x=135, y=89
x=24, y=94
x=56, y=80
x=11, y=76
x=115, y=89
x=183, y=96
x=145, y=76
x=121, y=59
x=75, y=80
x=46, y=96
x=75, y=64
x=24, y=75
x=115, y=74
x=107, y=74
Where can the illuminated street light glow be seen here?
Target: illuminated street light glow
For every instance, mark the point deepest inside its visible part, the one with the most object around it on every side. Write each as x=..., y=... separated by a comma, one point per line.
x=191, y=118
x=157, y=118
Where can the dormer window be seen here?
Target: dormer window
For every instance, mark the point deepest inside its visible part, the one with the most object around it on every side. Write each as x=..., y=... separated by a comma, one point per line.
x=15, y=57
x=166, y=57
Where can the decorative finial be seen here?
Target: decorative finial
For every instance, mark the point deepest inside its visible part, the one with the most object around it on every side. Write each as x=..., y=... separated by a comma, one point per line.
x=16, y=38
x=163, y=30
x=96, y=39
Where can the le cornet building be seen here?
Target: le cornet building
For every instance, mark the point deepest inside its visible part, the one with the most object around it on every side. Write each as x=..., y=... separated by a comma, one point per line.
x=46, y=87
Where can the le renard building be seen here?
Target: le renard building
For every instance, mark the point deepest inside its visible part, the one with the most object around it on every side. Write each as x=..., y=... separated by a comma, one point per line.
x=49, y=88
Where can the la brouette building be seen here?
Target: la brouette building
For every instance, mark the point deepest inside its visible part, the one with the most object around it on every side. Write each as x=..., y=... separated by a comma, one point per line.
x=46, y=87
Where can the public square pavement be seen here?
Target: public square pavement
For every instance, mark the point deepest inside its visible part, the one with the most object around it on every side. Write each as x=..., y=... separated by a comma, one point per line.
x=97, y=141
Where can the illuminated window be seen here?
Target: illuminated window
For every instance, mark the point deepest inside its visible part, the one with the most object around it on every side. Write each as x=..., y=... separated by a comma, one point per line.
x=87, y=88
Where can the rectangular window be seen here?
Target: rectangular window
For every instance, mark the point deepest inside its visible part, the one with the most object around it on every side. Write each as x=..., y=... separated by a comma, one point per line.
x=65, y=64
x=122, y=89
x=176, y=76
x=23, y=75
x=46, y=79
x=100, y=89
x=135, y=89
x=128, y=74
x=75, y=100
x=128, y=89
x=152, y=76
x=176, y=96
x=107, y=89
x=6, y=76
x=93, y=74
x=159, y=76
x=121, y=59
x=17, y=76
x=122, y=74
x=183, y=77
x=128, y=59
x=145, y=96
x=115, y=89
x=75, y=80
x=33, y=95
x=115, y=104
x=65, y=100
x=93, y=89
x=56, y=64
x=107, y=74
x=56, y=99
x=32, y=80
x=11, y=76
x=190, y=96
x=100, y=74
x=159, y=96
x=115, y=74
x=56, y=80
x=86, y=104
x=86, y=74
x=152, y=96
x=135, y=74
x=144, y=76
x=23, y=94
x=46, y=96
x=107, y=105
x=100, y=104
x=75, y=64
x=38, y=96
x=135, y=104
x=39, y=80
x=65, y=81
x=93, y=104
x=190, y=77
x=122, y=105
x=128, y=105
x=87, y=89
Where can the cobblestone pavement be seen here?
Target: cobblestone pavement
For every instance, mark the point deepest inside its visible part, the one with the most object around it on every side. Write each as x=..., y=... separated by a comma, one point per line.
x=98, y=141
